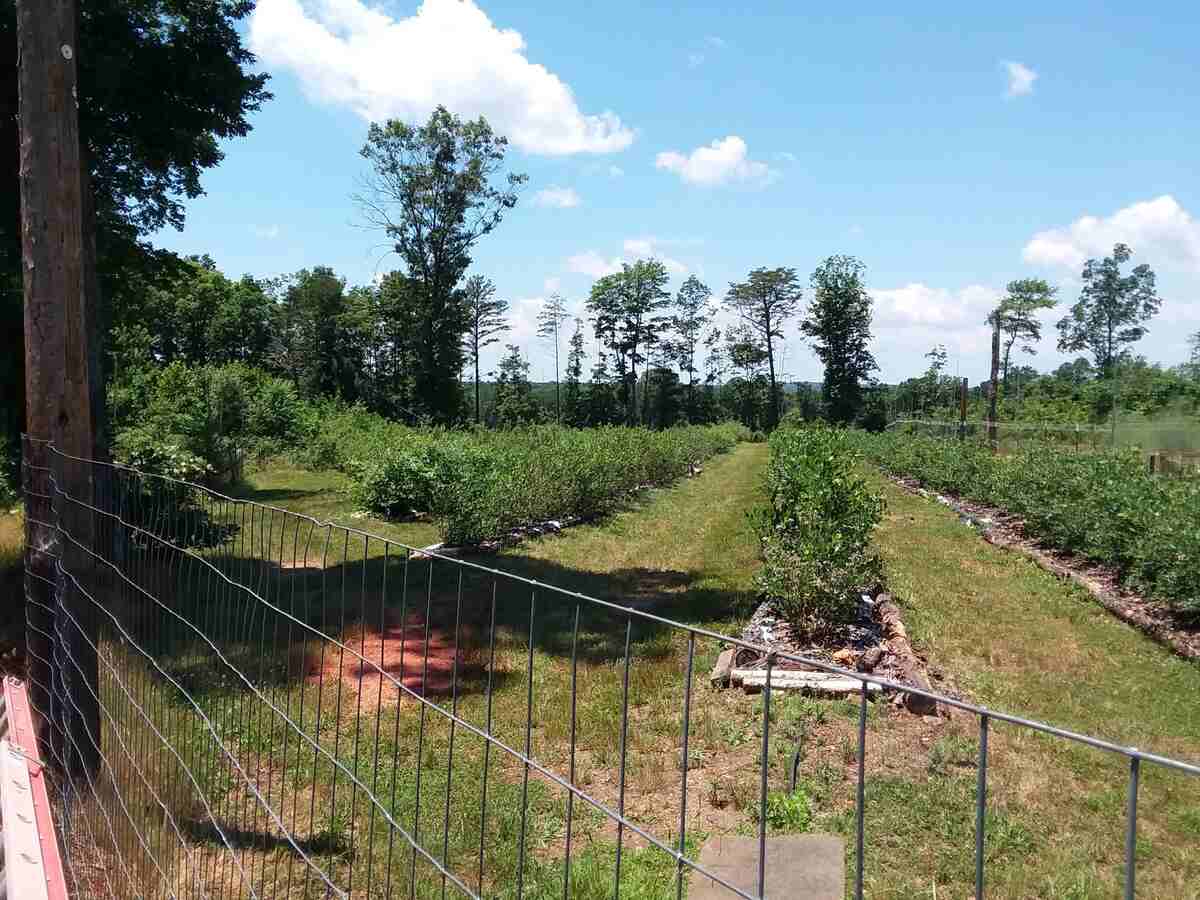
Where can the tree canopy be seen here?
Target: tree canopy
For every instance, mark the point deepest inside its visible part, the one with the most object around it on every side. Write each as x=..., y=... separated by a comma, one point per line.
x=764, y=301
x=435, y=190
x=838, y=321
x=1111, y=310
x=1017, y=315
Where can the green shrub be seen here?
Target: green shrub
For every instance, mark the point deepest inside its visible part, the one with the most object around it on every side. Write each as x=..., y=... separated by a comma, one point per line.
x=816, y=530
x=1104, y=505
x=481, y=484
x=220, y=415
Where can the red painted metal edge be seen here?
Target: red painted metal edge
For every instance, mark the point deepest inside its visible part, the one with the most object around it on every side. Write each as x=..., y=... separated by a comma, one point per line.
x=21, y=733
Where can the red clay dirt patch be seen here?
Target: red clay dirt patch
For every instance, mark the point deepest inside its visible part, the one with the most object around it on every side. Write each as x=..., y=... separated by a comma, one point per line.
x=425, y=661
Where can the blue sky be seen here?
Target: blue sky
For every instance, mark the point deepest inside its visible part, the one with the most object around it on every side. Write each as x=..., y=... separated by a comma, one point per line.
x=951, y=149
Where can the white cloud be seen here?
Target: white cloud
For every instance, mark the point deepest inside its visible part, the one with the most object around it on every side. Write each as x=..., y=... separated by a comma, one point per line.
x=916, y=316
x=721, y=161
x=615, y=171
x=552, y=284
x=267, y=232
x=449, y=52
x=1020, y=79
x=592, y=264
x=647, y=248
x=595, y=265
x=557, y=197
x=1159, y=231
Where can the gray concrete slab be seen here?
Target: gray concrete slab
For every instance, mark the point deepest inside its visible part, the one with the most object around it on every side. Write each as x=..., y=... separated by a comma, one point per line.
x=799, y=867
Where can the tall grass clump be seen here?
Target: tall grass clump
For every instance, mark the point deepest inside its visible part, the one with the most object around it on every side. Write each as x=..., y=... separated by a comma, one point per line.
x=480, y=484
x=816, y=530
x=1105, y=506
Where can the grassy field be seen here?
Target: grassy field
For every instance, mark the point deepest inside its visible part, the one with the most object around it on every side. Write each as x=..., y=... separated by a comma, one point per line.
x=995, y=627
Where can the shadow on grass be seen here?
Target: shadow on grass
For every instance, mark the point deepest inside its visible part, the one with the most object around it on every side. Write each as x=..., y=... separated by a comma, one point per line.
x=327, y=843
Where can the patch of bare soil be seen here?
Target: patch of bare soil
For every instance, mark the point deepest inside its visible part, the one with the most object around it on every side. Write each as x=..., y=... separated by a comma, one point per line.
x=997, y=527
x=403, y=652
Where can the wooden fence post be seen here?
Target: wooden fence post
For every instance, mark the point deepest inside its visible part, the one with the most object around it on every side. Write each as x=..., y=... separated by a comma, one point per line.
x=60, y=320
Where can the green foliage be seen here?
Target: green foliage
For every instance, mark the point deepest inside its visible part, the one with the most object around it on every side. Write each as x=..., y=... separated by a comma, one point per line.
x=789, y=811
x=479, y=485
x=1111, y=309
x=1017, y=316
x=433, y=195
x=1103, y=505
x=816, y=532
x=195, y=422
x=514, y=404
x=763, y=302
x=627, y=318
x=839, y=323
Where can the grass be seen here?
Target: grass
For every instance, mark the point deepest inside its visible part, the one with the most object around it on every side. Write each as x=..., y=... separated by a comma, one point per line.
x=999, y=629
x=1014, y=637
x=683, y=551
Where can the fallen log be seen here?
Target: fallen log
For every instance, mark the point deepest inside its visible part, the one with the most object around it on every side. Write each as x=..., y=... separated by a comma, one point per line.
x=911, y=671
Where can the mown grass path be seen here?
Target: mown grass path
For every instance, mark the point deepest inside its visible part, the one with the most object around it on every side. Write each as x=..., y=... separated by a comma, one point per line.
x=1016, y=638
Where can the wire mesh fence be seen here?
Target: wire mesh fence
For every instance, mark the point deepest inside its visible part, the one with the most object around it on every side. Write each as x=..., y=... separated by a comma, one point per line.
x=1169, y=447
x=248, y=702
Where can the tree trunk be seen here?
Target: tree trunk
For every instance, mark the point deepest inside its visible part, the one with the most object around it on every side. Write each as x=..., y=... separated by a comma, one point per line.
x=773, y=402
x=60, y=326
x=993, y=387
x=557, y=397
x=477, y=384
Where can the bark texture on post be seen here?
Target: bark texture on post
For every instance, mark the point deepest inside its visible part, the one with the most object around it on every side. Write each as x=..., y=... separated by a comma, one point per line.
x=60, y=330
x=993, y=387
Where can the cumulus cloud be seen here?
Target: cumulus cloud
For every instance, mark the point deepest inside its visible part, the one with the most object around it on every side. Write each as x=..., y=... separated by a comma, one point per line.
x=1159, y=231
x=596, y=265
x=720, y=162
x=918, y=316
x=449, y=52
x=556, y=197
x=592, y=264
x=1020, y=79
x=647, y=248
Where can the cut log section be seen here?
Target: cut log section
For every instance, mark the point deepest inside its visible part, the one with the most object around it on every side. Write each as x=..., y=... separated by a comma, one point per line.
x=911, y=671
x=822, y=683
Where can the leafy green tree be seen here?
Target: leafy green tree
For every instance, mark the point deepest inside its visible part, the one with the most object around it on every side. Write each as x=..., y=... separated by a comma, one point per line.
x=436, y=190
x=514, y=404
x=764, y=301
x=485, y=322
x=161, y=85
x=933, y=379
x=575, y=406
x=551, y=316
x=604, y=406
x=319, y=341
x=746, y=354
x=626, y=316
x=838, y=321
x=1017, y=314
x=1110, y=311
x=693, y=312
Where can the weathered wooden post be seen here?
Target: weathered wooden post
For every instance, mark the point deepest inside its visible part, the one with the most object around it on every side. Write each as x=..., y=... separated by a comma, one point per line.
x=59, y=327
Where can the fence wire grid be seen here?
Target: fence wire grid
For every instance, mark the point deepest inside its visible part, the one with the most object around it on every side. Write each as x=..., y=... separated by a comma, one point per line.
x=249, y=702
